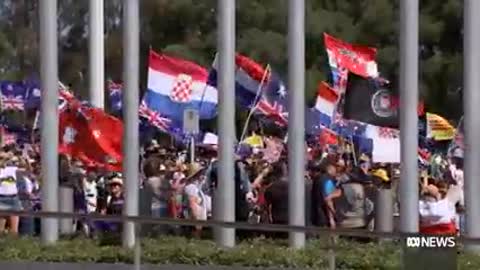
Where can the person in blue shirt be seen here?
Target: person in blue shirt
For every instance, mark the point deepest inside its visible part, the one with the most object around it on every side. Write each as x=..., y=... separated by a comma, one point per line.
x=324, y=192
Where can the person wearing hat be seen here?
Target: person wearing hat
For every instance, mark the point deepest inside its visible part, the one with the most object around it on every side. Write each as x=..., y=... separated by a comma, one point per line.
x=157, y=185
x=115, y=199
x=196, y=202
x=382, y=178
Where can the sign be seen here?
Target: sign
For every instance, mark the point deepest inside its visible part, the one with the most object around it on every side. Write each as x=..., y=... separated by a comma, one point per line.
x=191, y=121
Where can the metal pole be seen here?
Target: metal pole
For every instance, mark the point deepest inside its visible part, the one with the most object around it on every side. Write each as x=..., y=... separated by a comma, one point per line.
x=384, y=211
x=296, y=121
x=96, y=54
x=471, y=99
x=225, y=194
x=66, y=206
x=192, y=149
x=131, y=52
x=408, y=115
x=49, y=120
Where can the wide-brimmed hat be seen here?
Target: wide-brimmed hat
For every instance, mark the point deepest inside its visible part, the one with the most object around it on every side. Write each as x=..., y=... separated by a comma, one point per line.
x=116, y=180
x=194, y=170
x=381, y=174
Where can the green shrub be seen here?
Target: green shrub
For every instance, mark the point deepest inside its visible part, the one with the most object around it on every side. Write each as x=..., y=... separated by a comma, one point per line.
x=178, y=250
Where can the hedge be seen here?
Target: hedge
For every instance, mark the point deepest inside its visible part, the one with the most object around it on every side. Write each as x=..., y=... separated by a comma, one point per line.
x=252, y=253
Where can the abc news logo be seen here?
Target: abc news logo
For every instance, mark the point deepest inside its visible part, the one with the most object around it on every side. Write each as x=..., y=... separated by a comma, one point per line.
x=430, y=242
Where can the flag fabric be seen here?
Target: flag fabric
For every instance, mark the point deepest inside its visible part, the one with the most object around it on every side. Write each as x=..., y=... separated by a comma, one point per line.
x=13, y=95
x=8, y=138
x=386, y=144
x=254, y=141
x=322, y=114
x=339, y=79
x=33, y=93
x=175, y=85
x=438, y=128
x=357, y=59
x=273, y=102
x=327, y=137
x=154, y=118
x=366, y=102
x=115, y=95
x=248, y=79
x=92, y=136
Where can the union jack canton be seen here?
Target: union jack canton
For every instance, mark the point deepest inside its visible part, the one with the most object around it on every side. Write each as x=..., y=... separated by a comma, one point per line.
x=154, y=118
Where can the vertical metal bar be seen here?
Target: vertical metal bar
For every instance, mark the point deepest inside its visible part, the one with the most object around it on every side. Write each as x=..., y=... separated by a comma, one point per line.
x=192, y=149
x=131, y=52
x=225, y=195
x=471, y=99
x=296, y=121
x=96, y=54
x=409, y=10
x=49, y=120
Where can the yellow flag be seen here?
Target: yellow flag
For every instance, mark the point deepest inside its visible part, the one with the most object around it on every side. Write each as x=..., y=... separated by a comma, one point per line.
x=254, y=141
x=438, y=128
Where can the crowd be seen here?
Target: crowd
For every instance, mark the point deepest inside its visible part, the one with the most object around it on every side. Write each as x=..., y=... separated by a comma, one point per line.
x=341, y=187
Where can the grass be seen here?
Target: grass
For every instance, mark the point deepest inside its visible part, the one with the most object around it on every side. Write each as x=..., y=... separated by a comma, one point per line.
x=252, y=253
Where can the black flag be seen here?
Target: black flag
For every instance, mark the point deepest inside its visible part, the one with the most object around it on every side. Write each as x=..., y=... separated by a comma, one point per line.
x=368, y=101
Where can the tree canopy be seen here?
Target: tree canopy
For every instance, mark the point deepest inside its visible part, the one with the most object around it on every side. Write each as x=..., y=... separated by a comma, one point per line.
x=187, y=28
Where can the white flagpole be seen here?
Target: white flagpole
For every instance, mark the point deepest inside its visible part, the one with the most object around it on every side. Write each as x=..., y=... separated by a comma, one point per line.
x=254, y=107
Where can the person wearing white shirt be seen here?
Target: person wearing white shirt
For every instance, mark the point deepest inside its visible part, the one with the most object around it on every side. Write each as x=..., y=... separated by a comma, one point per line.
x=9, y=200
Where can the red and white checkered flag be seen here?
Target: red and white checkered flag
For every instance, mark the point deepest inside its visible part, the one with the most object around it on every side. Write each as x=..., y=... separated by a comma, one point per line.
x=182, y=88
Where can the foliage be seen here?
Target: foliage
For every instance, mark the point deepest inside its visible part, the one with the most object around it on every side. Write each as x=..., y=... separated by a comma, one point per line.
x=177, y=250
x=187, y=28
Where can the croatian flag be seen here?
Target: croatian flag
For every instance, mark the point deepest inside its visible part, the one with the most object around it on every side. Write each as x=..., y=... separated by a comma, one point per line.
x=248, y=79
x=322, y=114
x=326, y=103
x=175, y=85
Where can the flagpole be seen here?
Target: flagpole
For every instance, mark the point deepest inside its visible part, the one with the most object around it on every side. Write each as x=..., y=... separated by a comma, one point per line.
x=204, y=91
x=452, y=142
x=254, y=107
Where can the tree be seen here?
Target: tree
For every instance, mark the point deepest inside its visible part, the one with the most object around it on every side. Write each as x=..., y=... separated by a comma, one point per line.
x=187, y=28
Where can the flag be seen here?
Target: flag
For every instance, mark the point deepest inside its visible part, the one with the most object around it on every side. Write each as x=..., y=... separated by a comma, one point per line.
x=175, y=85
x=339, y=79
x=357, y=59
x=13, y=95
x=250, y=78
x=33, y=93
x=366, y=102
x=273, y=101
x=92, y=136
x=438, y=128
x=327, y=137
x=115, y=95
x=254, y=141
x=154, y=118
x=324, y=110
x=386, y=144
x=8, y=138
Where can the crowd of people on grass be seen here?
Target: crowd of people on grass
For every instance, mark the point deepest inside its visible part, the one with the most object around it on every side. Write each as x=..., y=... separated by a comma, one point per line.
x=340, y=189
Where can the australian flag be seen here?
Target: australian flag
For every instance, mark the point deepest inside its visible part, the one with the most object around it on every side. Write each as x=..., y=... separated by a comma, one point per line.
x=115, y=95
x=273, y=102
x=13, y=95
